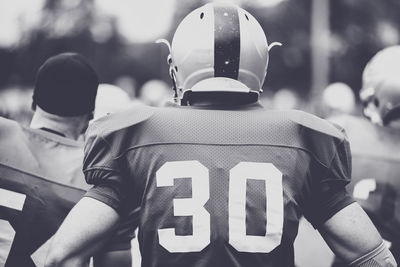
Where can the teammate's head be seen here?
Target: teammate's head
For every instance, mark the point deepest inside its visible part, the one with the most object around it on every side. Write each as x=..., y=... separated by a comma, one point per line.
x=218, y=48
x=380, y=93
x=66, y=85
x=64, y=94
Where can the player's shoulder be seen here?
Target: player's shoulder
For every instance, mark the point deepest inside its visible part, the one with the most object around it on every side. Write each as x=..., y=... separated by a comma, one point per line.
x=9, y=127
x=118, y=121
x=346, y=121
x=12, y=132
x=40, y=154
x=316, y=125
x=358, y=129
x=12, y=136
x=383, y=141
x=11, y=141
x=322, y=139
x=103, y=131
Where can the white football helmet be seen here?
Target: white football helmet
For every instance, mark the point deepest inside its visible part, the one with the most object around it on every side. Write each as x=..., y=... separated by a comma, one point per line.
x=380, y=93
x=218, y=47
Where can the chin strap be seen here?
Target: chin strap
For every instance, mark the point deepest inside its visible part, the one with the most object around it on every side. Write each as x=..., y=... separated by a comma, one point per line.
x=171, y=69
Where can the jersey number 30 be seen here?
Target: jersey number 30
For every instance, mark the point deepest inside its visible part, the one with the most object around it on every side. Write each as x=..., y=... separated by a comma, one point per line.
x=194, y=206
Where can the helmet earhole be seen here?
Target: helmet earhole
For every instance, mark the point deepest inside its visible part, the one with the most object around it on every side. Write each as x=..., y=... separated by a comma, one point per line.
x=176, y=68
x=246, y=16
x=201, y=15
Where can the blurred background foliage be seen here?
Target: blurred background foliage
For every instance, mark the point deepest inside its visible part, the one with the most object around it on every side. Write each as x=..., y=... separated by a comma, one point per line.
x=118, y=38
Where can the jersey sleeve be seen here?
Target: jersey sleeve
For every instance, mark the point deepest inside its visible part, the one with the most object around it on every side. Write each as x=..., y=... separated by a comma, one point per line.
x=326, y=190
x=102, y=170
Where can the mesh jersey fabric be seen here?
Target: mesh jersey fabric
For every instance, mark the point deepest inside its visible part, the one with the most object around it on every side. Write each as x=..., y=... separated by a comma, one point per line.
x=128, y=155
x=376, y=174
x=43, y=173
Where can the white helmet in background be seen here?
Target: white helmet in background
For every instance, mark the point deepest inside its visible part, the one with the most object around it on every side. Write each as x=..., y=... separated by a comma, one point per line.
x=380, y=93
x=155, y=93
x=338, y=98
x=110, y=99
x=221, y=43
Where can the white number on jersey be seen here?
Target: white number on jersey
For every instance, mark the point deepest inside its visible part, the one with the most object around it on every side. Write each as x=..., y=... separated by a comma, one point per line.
x=237, y=206
x=12, y=200
x=187, y=206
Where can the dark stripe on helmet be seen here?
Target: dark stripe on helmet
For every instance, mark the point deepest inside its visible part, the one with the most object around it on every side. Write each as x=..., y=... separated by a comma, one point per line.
x=226, y=41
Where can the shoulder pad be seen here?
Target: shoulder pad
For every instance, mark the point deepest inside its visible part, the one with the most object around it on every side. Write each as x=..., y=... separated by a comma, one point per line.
x=120, y=120
x=327, y=142
x=341, y=120
x=108, y=126
x=317, y=124
x=355, y=126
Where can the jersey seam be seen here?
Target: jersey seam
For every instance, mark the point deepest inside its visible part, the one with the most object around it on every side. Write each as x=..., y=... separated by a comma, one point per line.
x=334, y=155
x=330, y=163
x=101, y=167
x=205, y=144
x=104, y=168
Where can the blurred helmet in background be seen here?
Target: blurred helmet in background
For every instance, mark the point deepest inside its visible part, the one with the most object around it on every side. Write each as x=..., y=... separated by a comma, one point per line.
x=110, y=99
x=285, y=98
x=380, y=93
x=338, y=98
x=219, y=47
x=155, y=93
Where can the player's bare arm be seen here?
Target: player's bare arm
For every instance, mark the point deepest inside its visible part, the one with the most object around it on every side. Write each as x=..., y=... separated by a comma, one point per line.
x=83, y=232
x=352, y=236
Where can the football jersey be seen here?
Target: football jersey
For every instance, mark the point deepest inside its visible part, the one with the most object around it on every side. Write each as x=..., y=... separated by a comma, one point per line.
x=40, y=180
x=218, y=187
x=376, y=174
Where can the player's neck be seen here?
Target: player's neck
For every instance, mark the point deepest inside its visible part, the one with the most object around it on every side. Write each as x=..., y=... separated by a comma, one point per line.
x=70, y=127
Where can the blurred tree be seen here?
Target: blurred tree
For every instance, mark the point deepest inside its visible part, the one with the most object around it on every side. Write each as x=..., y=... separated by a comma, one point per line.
x=64, y=26
x=78, y=26
x=288, y=23
x=359, y=29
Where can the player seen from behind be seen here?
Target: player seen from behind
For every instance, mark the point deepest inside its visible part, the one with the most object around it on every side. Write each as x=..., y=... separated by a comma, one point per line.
x=218, y=180
x=41, y=166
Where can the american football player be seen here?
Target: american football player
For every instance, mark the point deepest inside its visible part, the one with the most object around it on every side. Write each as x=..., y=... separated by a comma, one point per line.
x=218, y=180
x=41, y=166
x=375, y=142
